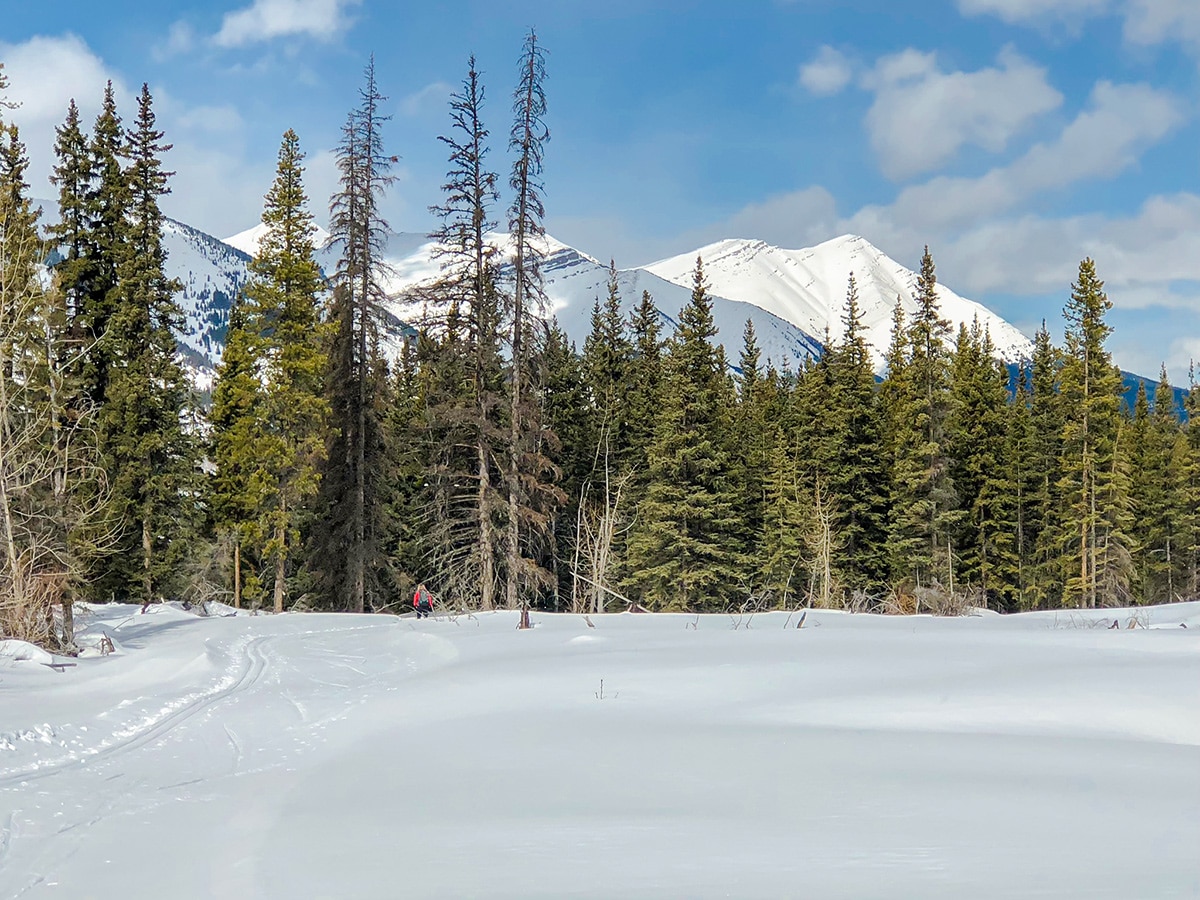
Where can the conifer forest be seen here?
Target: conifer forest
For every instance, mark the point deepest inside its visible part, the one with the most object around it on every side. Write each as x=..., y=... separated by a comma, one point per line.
x=487, y=456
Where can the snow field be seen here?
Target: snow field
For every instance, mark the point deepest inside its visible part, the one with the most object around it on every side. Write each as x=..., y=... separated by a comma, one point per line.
x=861, y=756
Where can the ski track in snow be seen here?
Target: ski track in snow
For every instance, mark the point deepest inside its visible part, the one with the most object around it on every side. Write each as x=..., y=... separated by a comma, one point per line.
x=156, y=724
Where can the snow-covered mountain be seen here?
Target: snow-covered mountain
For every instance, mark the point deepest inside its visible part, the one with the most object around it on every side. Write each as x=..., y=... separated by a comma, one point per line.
x=792, y=296
x=808, y=288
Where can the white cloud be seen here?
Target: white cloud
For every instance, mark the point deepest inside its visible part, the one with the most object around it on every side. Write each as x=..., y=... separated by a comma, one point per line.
x=45, y=74
x=213, y=119
x=1146, y=22
x=181, y=38
x=923, y=116
x=1014, y=11
x=432, y=96
x=1119, y=124
x=1156, y=21
x=827, y=73
x=265, y=20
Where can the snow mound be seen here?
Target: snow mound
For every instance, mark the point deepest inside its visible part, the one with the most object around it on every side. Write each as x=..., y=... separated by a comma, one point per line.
x=13, y=651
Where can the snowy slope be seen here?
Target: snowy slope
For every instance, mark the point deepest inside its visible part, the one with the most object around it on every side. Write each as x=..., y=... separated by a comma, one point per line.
x=791, y=295
x=808, y=288
x=247, y=241
x=212, y=274
x=574, y=281
x=650, y=756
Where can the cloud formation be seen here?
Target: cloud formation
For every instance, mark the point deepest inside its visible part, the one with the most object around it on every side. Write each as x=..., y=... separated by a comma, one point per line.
x=266, y=20
x=922, y=116
x=1146, y=22
x=828, y=72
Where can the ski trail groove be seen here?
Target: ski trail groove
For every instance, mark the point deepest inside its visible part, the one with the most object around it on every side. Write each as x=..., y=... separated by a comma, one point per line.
x=254, y=663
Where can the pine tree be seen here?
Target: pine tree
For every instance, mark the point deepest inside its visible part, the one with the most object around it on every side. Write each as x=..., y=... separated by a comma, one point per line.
x=607, y=354
x=283, y=297
x=1042, y=524
x=978, y=427
x=784, y=525
x=347, y=553
x=683, y=552
x=1186, y=466
x=93, y=286
x=236, y=490
x=644, y=380
x=857, y=481
x=469, y=277
x=1021, y=477
x=52, y=496
x=753, y=442
x=1092, y=542
x=924, y=514
x=532, y=497
x=74, y=174
x=152, y=461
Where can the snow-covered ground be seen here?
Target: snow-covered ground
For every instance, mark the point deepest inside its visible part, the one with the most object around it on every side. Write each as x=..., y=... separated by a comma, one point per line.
x=305, y=756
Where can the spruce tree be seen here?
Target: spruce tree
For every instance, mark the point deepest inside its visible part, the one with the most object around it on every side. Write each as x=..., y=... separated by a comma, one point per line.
x=532, y=497
x=1092, y=541
x=52, y=494
x=469, y=278
x=1019, y=441
x=152, y=460
x=347, y=553
x=1042, y=524
x=785, y=523
x=93, y=286
x=924, y=503
x=683, y=551
x=1185, y=469
x=644, y=380
x=283, y=296
x=978, y=427
x=236, y=492
x=752, y=436
x=857, y=480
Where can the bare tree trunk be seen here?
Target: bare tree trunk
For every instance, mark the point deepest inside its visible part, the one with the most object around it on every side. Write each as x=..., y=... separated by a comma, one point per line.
x=237, y=571
x=147, y=562
x=487, y=550
x=280, y=564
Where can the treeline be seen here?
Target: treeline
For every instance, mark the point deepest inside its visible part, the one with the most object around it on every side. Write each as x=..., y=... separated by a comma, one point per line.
x=503, y=466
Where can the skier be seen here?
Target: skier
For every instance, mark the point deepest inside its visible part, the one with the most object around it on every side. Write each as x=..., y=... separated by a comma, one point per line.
x=423, y=601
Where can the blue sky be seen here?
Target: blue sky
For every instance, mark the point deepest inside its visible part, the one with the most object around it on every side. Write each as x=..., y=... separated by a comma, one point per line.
x=1012, y=136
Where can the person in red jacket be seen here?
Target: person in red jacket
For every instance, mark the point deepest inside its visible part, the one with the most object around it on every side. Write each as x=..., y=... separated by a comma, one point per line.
x=423, y=601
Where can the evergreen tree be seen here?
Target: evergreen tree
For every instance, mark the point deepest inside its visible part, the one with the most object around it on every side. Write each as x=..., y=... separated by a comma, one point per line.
x=1092, y=540
x=1020, y=474
x=531, y=497
x=52, y=497
x=348, y=555
x=93, y=286
x=784, y=525
x=683, y=552
x=469, y=278
x=857, y=480
x=1186, y=466
x=152, y=460
x=1044, y=511
x=236, y=490
x=283, y=297
x=644, y=380
x=607, y=355
x=753, y=443
x=74, y=173
x=978, y=426
x=924, y=513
